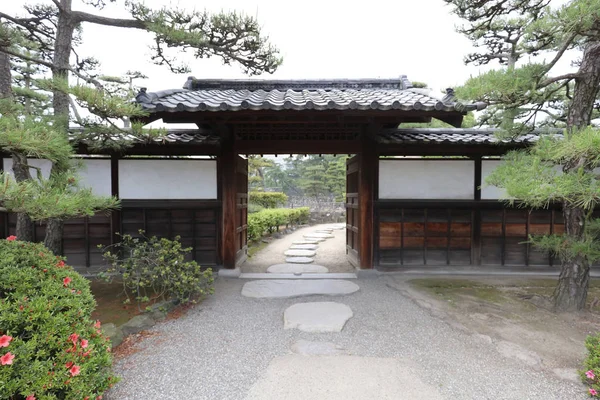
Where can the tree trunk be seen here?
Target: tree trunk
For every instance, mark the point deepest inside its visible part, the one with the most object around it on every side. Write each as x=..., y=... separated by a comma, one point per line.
x=25, y=231
x=571, y=292
x=60, y=103
x=54, y=235
x=20, y=169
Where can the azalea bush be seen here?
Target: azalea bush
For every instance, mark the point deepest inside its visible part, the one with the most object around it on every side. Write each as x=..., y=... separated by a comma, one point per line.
x=154, y=268
x=50, y=348
x=270, y=220
x=592, y=365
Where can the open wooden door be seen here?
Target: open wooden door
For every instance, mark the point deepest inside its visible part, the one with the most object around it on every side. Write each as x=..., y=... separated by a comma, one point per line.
x=352, y=210
x=241, y=213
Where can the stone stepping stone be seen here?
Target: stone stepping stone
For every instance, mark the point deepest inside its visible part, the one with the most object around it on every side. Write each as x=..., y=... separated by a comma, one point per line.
x=299, y=260
x=315, y=239
x=308, y=348
x=288, y=288
x=297, y=269
x=323, y=316
x=324, y=231
x=306, y=241
x=300, y=253
x=319, y=235
x=303, y=247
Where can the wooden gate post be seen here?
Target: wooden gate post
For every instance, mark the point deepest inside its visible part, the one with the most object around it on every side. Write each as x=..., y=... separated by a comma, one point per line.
x=228, y=164
x=369, y=164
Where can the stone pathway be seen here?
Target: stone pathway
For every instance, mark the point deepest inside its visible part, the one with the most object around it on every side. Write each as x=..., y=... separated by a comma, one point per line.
x=311, y=317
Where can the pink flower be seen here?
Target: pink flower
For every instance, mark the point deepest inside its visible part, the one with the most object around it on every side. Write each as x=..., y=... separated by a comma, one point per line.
x=5, y=340
x=7, y=359
x=60, y=264
x=75, y=370
x=11, y=238
x=84, y=343
x=593, y=392
x=97, y=324
x=590, y=374
x=73, y=337
x=69, y=364
x=30, y=397
x=66, y=281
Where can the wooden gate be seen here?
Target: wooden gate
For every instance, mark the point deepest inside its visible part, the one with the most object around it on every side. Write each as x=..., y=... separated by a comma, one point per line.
x=352, y=210
x=241, y=213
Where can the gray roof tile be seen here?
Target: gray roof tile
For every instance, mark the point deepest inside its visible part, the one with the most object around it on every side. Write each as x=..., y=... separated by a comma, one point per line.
x=235, y=95
x=455, y=136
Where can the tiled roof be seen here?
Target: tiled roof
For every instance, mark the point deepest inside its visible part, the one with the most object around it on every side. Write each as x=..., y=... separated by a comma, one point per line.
x=452, y=136
x=178, y=136
x=235, y=95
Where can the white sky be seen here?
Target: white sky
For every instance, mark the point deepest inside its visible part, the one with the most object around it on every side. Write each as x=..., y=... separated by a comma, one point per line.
x=317, y=38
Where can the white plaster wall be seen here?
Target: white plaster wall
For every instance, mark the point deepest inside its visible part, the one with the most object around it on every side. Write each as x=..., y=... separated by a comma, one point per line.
x=45, y=166
x=426, y=179
x=490, y=192
x=95, y=174
x=168, y=179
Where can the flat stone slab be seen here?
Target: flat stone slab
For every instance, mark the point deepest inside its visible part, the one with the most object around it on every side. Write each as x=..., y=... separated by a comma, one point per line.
x=323, y=316
x=297, y=269
x=299, y=260
x=300, y=253
x=319, y=235
x=330, y=231
x=295, y=242
x=308, y=348
x=304, y=247
x=283, y=289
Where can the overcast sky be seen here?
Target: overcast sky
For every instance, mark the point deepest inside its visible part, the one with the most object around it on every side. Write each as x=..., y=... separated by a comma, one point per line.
x=317, y=39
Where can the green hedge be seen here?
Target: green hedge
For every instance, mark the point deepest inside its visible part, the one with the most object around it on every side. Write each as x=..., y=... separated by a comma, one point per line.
x=267, y=199
x=269, y=220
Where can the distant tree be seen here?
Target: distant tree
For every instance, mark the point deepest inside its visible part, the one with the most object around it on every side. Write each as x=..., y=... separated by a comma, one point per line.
x=523, y=91
x=256, y=172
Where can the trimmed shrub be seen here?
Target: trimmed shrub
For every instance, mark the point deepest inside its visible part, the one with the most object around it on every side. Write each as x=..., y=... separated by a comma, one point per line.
x=49, y=346
x=267, y=199
x=591, y=372
x=271, y=219
x=254, y=208
x=155, y=268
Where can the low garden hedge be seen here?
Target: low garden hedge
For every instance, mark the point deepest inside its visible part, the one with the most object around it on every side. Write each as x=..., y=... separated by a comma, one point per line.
x=269, y=220
x=267, y=199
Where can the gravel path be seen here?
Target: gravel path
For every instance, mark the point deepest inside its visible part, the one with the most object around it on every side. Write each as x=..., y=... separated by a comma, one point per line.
x=331, y=253
x=224, y=346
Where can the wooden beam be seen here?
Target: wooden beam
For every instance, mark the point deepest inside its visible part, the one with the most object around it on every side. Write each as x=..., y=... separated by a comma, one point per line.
x=369, y=163
x=297, y=146
x=228, y=175
x=115, y=216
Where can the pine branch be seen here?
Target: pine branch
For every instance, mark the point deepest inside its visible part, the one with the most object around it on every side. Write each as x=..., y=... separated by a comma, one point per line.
x=52, y=66
x=552, y=80
x=80, y=16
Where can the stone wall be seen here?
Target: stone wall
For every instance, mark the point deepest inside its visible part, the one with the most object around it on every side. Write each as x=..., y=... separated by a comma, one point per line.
x=321, y=211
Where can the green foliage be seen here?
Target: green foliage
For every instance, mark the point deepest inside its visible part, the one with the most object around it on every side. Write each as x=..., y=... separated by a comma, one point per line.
x=590, y=375
x=45, y=307
x=256, y=172
x=254, y=208
x=535, y=176
x=231, y=36
x=58, y=197
x=157, y=268
x=267, y=199
x=270, y=220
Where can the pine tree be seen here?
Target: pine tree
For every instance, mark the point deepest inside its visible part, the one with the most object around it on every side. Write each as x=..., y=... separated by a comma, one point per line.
x=55, y=31
x=528, y=94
